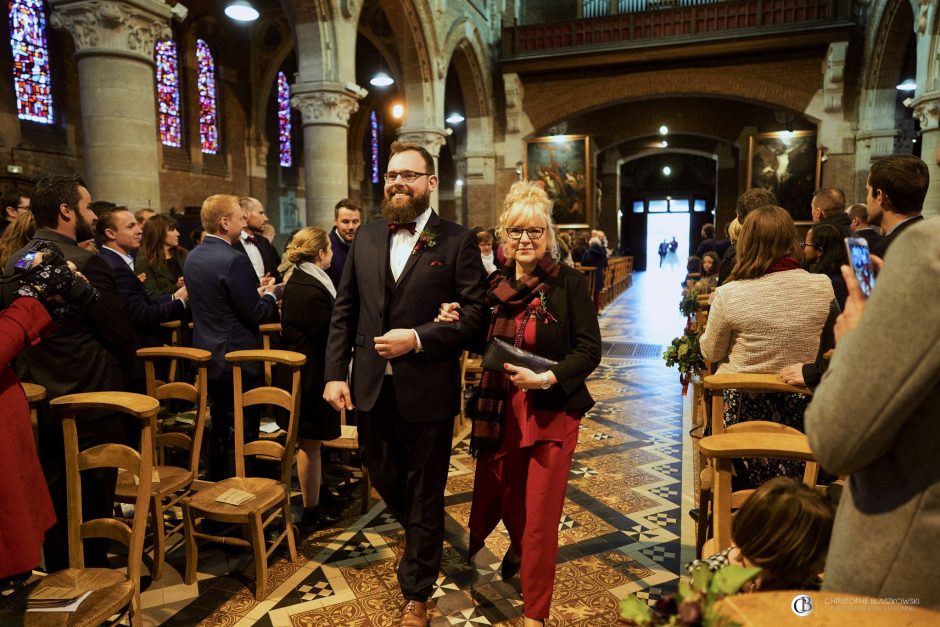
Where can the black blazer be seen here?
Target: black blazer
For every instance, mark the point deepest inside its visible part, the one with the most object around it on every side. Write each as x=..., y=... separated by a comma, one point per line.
x=574, y=341
x=226, y=308
x=89, y=349
x=268, y=254
x=369, y=303
x=881, y=247
x=305, y=322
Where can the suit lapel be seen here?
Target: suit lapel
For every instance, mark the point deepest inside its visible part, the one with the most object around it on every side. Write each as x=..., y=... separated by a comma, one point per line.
x=432, y=225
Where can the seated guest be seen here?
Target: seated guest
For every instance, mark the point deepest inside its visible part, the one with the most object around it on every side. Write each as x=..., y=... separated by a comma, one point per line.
x=596, y=256
x=16, y=235
x=120, y=232
x=709, y=279
x=824, y=249
x=24, y=497
x=143, y=216
x=884, y=436
x=161, y=258
x=13, y=203
x=693, y=272
x=305, y=319
x=707, y=245
x=485, y=240
x=748, y=201
x=783, y=528
x=769, y=315
x=858, y=214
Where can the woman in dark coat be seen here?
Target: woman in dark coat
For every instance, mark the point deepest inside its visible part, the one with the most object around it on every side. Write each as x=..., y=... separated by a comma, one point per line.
x=305, y=320
x=525, y=426
x=160, y=256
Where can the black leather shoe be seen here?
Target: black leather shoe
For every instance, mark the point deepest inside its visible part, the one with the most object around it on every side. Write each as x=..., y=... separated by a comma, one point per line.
x=315, y=518
x=509, y=569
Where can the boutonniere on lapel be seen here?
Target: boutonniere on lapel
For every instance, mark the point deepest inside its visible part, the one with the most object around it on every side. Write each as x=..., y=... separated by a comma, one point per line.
x=538, y=307
x=427, y=240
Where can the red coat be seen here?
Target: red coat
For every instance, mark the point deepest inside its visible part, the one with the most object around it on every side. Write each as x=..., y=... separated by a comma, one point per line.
x=25, y=507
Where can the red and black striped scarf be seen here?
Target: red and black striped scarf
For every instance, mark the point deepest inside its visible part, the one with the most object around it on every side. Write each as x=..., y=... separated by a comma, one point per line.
x=507, y=295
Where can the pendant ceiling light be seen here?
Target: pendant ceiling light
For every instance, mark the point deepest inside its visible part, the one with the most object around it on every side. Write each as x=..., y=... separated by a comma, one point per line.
x=241, y=11
x=907, y=85
x=381, y=79
x=454, y=118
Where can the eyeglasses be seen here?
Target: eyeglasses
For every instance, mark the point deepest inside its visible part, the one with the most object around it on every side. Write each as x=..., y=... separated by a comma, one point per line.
x=805, y=244
x=534, y=232
x=407, y=176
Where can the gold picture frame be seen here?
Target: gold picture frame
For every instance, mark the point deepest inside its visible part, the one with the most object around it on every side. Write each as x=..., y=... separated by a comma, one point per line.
x=562, y=165
x=789, y=164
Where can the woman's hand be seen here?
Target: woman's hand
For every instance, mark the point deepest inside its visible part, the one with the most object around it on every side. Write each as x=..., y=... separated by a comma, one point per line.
x=525, y=379
x=449, y=312
x=792, y=375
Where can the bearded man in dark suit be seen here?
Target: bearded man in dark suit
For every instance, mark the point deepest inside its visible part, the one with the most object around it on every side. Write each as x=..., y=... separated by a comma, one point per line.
x=406, y=373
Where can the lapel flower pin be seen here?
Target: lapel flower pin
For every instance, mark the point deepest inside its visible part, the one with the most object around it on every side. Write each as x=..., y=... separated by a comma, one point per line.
x=538, y=307
x=427, y=240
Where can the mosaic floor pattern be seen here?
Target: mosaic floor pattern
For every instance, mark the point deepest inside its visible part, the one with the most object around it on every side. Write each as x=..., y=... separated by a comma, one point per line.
x=620, y=532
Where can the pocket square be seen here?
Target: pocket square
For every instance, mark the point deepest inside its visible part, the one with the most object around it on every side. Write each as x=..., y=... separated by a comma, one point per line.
x=435, y=263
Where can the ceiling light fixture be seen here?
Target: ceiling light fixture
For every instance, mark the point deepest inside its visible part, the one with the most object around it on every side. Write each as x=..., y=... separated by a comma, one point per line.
x=398, y=111
x=907, y=85
x=667, y=170
x=665, y=144
x=454, y=118
x=241, y=11
x=381, y=80
x=663, y=130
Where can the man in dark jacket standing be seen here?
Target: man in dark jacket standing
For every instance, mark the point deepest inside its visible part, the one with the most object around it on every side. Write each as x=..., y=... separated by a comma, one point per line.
x=87, y=352
x=347, y=217
x=897, y=186
x=828, y=207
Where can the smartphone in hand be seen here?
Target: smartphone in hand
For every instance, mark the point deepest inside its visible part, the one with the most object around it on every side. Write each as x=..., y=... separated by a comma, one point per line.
x=860, y=260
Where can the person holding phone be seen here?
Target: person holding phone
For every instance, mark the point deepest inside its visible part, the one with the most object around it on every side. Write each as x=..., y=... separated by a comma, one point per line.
x=885, y=436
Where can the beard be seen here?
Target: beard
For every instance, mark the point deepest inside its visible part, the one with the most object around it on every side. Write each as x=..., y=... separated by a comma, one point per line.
x=83, y=229
x=405, y=209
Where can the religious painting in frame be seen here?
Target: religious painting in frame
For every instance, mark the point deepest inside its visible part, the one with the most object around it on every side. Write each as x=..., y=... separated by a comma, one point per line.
x=788, y=164
x=562, y=165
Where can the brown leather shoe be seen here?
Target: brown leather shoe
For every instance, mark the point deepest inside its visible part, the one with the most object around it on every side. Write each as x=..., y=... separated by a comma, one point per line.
x=415, y=614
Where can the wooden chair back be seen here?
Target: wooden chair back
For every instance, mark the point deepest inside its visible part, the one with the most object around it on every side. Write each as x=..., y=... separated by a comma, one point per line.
x=266, y=395
x=590, y=275
x=194, y=393
x=269, y=332
x=764, y=383
x=724, y=448
x=174, y=326
x=117, y=456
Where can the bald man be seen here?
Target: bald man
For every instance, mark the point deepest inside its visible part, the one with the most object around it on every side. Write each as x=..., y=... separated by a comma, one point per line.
x=261, y=252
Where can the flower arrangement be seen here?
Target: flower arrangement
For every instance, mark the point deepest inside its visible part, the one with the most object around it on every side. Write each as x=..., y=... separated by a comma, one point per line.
x=427, y=240
x=689, y=303
x=538, y=307
x=693, y=604
x=684, y=352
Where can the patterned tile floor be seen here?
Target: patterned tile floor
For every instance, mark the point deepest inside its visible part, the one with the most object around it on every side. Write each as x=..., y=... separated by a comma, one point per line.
x=623, y=529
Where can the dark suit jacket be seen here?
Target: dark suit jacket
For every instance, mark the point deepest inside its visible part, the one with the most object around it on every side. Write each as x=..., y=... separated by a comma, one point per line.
x=226, y=308
x=870, y=235
x=268, y=254
x=340, y=252
x=881, y=247
x=369, y=303
x=840, y=220
x=89, y=349
x=305, y=320
x=159, y=279
x=147, y=312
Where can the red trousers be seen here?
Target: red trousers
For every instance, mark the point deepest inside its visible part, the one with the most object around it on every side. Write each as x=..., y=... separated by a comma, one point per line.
x=525, y=487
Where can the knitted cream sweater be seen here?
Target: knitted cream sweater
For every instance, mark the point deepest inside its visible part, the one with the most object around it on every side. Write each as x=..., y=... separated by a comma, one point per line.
x=762, y=325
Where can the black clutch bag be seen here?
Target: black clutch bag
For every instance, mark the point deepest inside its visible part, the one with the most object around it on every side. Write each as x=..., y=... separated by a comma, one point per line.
x=499, y=352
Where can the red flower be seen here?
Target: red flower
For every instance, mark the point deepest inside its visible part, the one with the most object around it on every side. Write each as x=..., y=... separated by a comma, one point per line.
x=536, y=303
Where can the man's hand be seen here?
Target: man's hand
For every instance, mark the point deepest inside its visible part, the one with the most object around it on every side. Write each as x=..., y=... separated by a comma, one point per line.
x=182, y=294
x=856, y=300
x=449, y=312
x=336, y=393
x=179, y=282
x=792, y=375
x=395, y=343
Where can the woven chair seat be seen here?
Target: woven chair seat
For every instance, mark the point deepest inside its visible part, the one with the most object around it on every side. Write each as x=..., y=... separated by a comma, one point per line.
x=268, y=493
x=112, y=593
x=172, y=478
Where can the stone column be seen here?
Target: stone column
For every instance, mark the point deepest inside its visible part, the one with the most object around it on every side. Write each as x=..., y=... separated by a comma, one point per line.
x=325, y=108
x=432, y=139
x=927, y=112
x=480, y=189
x=114, y=49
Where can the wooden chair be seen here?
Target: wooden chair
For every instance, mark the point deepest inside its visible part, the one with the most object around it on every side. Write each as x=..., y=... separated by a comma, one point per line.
x=35, y=394
x=271, y=497
x=346, y=446
x=269, y=332
x=723, y=449
x=174, y=327
x=172, y=482
x=112, y=592
x=470, y=370
x=716, y=384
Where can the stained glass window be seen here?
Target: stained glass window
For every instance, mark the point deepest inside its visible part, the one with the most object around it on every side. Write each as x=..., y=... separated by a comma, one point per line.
x=374, y=124
x=168, y=93
x=208, y=108
x=30, y=60
x=283, y=119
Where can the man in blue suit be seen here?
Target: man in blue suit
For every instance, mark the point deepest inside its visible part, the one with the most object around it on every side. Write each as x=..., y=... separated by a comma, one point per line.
x=120, y=234
x=227, y=309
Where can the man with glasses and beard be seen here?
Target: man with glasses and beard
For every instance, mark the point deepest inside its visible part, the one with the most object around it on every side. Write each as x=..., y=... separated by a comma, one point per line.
x=88, y=351
x=406, y=374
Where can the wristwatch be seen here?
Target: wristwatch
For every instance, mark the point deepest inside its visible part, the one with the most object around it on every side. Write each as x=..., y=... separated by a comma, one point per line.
x=545, y=382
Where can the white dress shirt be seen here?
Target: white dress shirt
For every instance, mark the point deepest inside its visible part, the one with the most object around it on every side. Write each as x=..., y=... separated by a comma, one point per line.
x=403, y=243
x=253, y=254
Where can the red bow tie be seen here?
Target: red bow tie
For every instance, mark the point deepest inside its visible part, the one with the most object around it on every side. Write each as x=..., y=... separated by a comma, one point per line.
x=251, y=240
x=395, y=227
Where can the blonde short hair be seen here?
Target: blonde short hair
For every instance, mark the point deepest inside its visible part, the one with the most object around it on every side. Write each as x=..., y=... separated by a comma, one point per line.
x=216, y=207
x=526, y=201
x=307, y=244
x=734, y=230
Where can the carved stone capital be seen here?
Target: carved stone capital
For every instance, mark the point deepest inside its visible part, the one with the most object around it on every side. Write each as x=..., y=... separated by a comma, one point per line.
x=332, y=105
x=430, y=138
x=113, y=27
x=833, y=76
x=927, y=111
